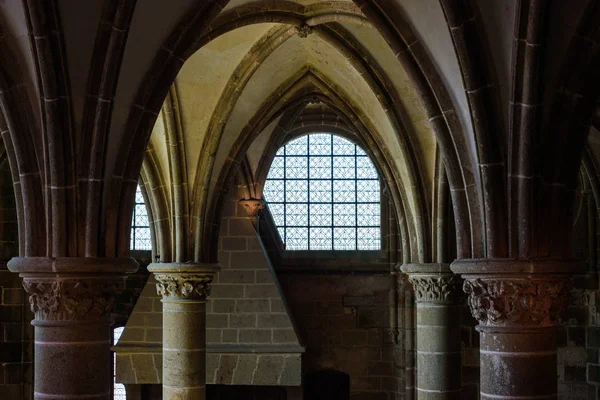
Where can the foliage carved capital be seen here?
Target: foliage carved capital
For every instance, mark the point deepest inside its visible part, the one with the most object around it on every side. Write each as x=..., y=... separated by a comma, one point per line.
x=183, y=286
x=522, y=302
x=72, y=299
x=436, y=289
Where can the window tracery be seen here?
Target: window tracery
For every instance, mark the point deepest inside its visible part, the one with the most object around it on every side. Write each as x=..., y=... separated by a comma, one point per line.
x=140, y=224
x=323, y=192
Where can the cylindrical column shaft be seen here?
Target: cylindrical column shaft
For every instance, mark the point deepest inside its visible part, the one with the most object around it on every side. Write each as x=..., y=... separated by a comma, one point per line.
x=438, y=351
x=438, y=297
x=518, y=364
x=518, y=304
x=72, y=360
x=184, y=349
x=184, y=289
x=71, y=299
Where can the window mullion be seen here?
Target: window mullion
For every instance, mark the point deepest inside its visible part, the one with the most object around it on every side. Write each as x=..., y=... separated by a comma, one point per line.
x=355, y=199
x=332, y=191
x=308, y=193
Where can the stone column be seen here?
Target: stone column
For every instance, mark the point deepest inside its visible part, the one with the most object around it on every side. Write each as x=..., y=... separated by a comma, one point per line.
x=71, y=299
x=518, y=305
x=184, y=289
x=438, y=296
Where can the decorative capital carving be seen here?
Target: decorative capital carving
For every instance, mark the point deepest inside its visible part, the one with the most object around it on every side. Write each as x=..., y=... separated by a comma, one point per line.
x=252, y=206
x=68, y=299
x=443, y=288
x=304, y=30
x=183, y=286
x=516, y=301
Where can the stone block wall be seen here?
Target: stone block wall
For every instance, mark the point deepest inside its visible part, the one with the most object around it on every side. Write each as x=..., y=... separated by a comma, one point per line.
x=16, y=338
x=251, y=339
x=344, y=322
x=16, y=332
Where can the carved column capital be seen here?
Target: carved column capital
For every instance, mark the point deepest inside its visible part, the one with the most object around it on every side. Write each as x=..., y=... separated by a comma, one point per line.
x=509, y=293
x=72, y=288
x=183, y=281
x=517, y=301
x=437, y=289
x=434, y=283
x=68, y=299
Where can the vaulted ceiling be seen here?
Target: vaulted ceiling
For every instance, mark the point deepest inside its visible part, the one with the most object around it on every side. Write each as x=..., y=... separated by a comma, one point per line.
x=490, y=94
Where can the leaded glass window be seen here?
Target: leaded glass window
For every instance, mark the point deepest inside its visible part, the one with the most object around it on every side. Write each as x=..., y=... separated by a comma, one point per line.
x=118, y=388
x=140, y=225
x=323, y=193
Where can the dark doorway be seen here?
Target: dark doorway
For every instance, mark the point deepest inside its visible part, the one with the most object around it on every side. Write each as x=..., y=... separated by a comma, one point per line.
x=327, y=385
x=229, y=392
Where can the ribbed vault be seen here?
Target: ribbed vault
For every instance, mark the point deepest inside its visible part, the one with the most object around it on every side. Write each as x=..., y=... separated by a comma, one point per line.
x=263, y=71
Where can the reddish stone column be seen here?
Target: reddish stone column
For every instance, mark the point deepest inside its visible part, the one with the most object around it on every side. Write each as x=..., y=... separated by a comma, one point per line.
x=184, y=289
x=439, y=299
x=518, y=305
x=71, y=298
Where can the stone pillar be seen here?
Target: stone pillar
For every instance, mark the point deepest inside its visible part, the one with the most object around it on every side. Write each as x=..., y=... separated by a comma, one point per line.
x=518, y=305
x=71, y=299
x=439, y=298
x=184, y=289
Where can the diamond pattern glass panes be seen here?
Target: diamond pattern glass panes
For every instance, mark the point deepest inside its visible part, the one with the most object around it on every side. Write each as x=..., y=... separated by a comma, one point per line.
x=278, y=213
x=277, y=169
x=344, y=167
x=274, y=190
x=344, y=191
x=368, y=239
x=344, y=215
x=118, y=388
x=296, y=214
x=140, y=224
x=365, y=168
x=296, y=191
x=296, y=167
x=320, y=238
x=323, y=192
x=296, y=238
x=320, y=215
x=320, y=168
x=320, y=191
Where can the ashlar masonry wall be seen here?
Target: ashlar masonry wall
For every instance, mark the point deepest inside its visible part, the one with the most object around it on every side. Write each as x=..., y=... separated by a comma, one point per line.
x=251, y=338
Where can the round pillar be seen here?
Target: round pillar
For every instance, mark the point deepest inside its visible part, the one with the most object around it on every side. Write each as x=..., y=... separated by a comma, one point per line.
x=71, y=299
x=438, y=299
x=518, y=305
x=184, y=289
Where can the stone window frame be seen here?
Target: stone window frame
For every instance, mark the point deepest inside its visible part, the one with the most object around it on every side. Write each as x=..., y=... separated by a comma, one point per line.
x=331, y=260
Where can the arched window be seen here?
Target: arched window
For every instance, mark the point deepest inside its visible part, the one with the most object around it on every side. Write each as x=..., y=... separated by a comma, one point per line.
x=323, y=192
x=140, y=225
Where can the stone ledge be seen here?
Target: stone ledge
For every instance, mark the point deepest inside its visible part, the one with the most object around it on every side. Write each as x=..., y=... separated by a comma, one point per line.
x=243, y=349
x=142, y=365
